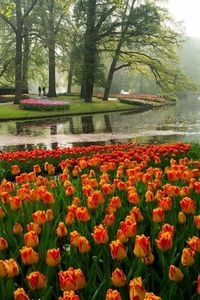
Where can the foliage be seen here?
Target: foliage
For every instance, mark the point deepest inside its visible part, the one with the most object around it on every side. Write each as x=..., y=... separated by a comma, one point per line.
x=142, y=200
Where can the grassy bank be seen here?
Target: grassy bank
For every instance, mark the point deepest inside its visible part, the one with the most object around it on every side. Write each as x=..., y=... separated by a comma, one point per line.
x=77, y=106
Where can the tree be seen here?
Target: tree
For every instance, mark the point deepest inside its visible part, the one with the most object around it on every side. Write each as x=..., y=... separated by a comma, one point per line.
x=17, y=26
x=143, y=39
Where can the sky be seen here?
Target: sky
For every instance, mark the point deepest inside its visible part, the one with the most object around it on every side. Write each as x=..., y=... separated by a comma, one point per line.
x=189, y=11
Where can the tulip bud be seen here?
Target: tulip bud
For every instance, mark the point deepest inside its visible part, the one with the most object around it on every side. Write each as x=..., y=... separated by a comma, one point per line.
x=182, y=217
x=118, y=278
x=17, y=228
x=29, y=256
x=69, y=295
x=36, y=281
x=20, y=294
x=117, y=250
x=3, y=244
x=61, y=230
x=136, y=289
x=142, y=246
x=12, y=267
x=187, y=257
x=83, y=245
x=113, y=295
x=151, y=296
x=175, y=274
x=100, y=235
x=31, y=239
x=53, y=257
x=74, y=237
x=3, y=269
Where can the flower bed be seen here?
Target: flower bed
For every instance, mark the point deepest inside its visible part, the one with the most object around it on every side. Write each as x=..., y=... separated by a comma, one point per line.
x=118, y=223
x=43, y=105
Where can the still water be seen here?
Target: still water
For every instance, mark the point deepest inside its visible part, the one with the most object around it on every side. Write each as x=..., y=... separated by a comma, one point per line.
x=175, y=123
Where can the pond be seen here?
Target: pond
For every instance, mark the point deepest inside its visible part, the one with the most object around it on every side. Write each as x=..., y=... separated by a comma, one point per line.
x=174, y=123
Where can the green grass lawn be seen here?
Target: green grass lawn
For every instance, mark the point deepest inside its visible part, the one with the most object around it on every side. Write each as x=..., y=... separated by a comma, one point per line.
x=77, y=106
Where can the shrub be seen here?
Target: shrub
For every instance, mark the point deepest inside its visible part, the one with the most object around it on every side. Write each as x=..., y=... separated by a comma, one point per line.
x=43, y=105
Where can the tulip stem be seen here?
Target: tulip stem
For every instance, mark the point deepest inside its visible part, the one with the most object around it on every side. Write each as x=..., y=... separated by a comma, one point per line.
x=2, y=289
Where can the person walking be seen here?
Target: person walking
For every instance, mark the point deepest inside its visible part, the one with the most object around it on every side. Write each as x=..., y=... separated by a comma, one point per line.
x=44, y=91
x=39, y=90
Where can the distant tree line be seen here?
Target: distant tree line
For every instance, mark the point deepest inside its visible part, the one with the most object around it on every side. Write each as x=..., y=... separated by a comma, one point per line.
x=86, y=37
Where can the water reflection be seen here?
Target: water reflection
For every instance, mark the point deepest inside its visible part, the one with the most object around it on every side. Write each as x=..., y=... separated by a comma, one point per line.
x=166, y=124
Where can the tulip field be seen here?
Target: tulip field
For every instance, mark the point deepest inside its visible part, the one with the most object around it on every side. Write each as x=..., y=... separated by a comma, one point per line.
x=113, y=222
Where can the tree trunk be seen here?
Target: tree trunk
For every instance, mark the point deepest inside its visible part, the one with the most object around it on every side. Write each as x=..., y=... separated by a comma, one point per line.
x=18, y=57
x=52, y=69
x=25, y=60
x=90, y=51
x=52, y=54
x=70, y=77
x=111, y=73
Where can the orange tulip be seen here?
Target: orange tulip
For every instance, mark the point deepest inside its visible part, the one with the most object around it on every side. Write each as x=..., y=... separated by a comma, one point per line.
x=34, y=227
x=142, y=246
x=136, y=215
x=69, y=295
x=20, y=294
x=15, y=202
x=80, y=279
x=83, y=245
x=157, y=215
x=12, y=267
x=128, y=227
x=17, y=228
x=194, y=244
x=149, y=196
x=117, y=250
x=3, y=244
x=67, y=280
x=82, y=214
x=136, y=289
x=188, y=205
x=36, y=280
x=74, y=237
x=53, y=257
x=36, y=168
x=187, y=257
x=29, y=256
x=31, y=239
x=175, y=274
x=164, y=241
x=48, y=198
x=165, y=203
x=121, y=236
x=113, y=295
x=3, y=269
x=2, y=213
x=70, y=190
x=149, y=259
x=49, y=215
x=197, y=221
x=151, y=296
x=182, y=217
x=61, y=230
x=69, y=218
x=100, y=235
x=118, y=278
x=109, y=220
x=133, y=197
x=15, y=169
x=39, y=217
x=72, y=279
